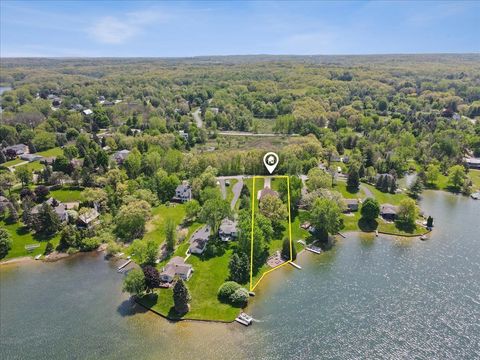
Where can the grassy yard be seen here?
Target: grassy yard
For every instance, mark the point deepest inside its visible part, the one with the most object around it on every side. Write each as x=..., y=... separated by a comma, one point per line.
x=12, y=162
x=51, y=152
x=156, y=226
x=208, y=276
x=66, y=194
x=21, y=236
x=386, y=198
x=475, y=176
x=341, y=187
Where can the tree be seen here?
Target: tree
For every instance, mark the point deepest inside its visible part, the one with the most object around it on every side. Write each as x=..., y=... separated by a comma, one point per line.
x=213, y=212
x=145, y=251
x=170, y=234
x=24, y=174
x=286, y=250
x=131, y=219
x=5, y=243
x=239, y=297
x=134, y=282
x=165, y=185
x=296, y=185
x=152, y=277
x=353, y=180
x=227, y=289
x=192, y=209
x=181, y=297
x=273, y=208
x=239, y=268
x=48, y=248
x=133, y=164
x=41, y=191
x=317, y=178
x=7, y=180
x=416, y=188
x=407, y=213
x=44, y=140
x=431, y=174
x=325, y=216
x=47, y=221
x=370, y=209
x=69, y=237
x=456, y=176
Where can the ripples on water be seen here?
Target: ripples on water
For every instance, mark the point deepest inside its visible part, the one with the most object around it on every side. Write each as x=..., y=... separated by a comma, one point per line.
x=375, y=298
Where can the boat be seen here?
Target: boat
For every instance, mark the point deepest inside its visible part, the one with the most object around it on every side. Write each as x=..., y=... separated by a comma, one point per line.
x=424, y=237
x=244, y=319
x=38, y=257
x=475, y=196
x=251, y=293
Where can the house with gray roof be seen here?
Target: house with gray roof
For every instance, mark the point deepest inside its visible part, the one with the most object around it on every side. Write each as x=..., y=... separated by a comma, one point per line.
x=228, y=230
x=176, y=267
x=388, y=212
x=59, y=208
x=120, y=156
x=183, y=192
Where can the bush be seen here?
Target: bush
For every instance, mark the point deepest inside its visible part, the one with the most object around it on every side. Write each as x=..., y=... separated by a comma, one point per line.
x=227, y=289
x=239, y=297
x=113, y=248
x=89, y=244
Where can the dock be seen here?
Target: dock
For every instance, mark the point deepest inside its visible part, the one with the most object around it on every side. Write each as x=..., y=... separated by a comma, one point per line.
x=295, y=265
x=314, y=249
x=122, y=266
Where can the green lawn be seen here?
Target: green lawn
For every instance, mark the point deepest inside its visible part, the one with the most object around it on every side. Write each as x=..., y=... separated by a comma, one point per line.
x=66, y=194
x=12, y=162
x=21, y=236
x=386, y=198
x=208, y=276
x=32, y=166
x=156, y=226
x=341, y=187
x=51, y=152
x=475, y=176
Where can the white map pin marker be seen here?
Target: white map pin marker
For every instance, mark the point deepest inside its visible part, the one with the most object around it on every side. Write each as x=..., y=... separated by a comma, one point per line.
x=271, y=161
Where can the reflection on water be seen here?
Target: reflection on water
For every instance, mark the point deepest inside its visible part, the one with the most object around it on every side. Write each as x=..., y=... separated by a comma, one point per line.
x=369, y=297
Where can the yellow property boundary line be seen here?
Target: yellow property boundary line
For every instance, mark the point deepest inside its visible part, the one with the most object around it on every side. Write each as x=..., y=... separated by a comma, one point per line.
x=254, y=195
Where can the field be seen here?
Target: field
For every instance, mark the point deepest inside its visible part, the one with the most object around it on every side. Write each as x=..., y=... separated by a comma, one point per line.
x=66, y=194
x=21, y=236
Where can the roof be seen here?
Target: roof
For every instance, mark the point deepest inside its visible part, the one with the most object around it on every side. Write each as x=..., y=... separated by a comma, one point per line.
x=176, y=266
x=268, y=191
x=471, y=160
x=228, y=226
x=87, y=112
x=3, y=199
x=89, y=216
x=388, y=209
x=351, y=201
x=16, y=147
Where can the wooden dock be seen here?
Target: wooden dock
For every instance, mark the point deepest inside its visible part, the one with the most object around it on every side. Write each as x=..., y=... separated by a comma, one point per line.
x=122, y=266
x=295, y=265
x=314, y=249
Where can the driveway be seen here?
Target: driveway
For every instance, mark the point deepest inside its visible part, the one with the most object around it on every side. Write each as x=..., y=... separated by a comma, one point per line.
x=198, y=118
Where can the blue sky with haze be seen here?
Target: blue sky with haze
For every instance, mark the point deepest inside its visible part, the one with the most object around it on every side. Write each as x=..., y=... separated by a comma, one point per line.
x=128, y=28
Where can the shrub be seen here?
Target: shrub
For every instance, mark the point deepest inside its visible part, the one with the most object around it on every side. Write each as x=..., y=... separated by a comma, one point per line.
x=89, y=244
x=48, y=248
x=227, y=289
x=239, y=297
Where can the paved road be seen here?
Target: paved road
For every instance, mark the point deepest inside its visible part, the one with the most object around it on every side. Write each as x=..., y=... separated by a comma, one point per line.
x=198, y=118
x=237, y=188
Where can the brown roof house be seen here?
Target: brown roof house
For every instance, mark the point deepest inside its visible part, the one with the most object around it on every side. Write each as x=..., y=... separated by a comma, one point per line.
x=388, y=212
x=176, y=267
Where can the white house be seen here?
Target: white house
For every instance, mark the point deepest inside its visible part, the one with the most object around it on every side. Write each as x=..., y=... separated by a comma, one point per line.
x=228, y=230
x=183, y=192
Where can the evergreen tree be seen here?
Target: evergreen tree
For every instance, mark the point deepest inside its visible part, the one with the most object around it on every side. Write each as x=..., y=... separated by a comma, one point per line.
x=353, y=180
x=181, y=297
x=286, y=250
x=152, y=277
x=2, y=157
x=170, y=237
x=239, y=268
x=47, y=221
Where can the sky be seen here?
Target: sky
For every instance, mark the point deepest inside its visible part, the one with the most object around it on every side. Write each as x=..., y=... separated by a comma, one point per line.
x=196, y=28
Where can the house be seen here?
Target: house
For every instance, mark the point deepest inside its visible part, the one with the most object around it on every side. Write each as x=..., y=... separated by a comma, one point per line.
x=176, y=267
x=76, y=163
x=31, y=157
x=473, y=163
x=267, y=191
x=19, y=149
x=228, y=230
x=351, y=204
x=120, y=156
x=88, y=219
x=59, y=208
x=183, y=192
x=199, y=240
x=183, y=134
x=87, y=112
x=388, y=212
